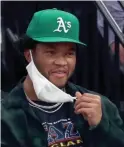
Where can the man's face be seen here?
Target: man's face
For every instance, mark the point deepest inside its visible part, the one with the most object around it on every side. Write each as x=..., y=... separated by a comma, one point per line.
x=56, y=61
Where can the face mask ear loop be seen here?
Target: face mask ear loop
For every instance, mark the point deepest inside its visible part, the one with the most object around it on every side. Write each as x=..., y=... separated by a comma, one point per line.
x=36, y=70
x=31, y=55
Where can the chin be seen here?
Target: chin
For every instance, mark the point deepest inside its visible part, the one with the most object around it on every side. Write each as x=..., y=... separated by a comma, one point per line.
x=59, y=84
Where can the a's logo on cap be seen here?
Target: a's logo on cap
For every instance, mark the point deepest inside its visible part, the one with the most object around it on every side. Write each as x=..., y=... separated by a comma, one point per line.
x=65, y=26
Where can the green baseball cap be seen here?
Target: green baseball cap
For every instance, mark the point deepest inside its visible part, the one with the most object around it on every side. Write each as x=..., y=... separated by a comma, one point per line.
x=54, y=25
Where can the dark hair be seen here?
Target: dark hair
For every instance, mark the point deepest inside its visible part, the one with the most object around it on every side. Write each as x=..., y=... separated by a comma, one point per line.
x=27, y=43
x=24, y=43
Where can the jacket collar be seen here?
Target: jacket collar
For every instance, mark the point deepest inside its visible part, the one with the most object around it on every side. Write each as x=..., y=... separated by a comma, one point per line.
x=17, y=98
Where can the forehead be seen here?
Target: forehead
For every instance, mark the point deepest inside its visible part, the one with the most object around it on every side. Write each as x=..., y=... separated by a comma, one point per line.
x=59, y=45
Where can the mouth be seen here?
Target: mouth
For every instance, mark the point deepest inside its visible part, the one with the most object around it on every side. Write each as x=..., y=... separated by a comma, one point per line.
x=59, y=73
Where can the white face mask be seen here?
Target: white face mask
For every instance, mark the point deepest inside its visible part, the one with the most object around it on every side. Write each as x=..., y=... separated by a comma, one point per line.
x=44, y=89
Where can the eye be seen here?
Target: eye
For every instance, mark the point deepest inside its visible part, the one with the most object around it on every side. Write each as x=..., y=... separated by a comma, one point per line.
x=71, y=53
x=50, y=52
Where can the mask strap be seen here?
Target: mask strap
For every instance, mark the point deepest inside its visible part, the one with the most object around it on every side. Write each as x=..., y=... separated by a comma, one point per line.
x=31, y=55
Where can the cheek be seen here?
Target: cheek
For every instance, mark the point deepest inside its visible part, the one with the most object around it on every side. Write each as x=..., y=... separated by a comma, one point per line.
x=43, y=65
x=46, y=66
x=71, y=64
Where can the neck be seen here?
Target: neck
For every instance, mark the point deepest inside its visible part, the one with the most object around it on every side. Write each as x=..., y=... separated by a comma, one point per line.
x=29, y=89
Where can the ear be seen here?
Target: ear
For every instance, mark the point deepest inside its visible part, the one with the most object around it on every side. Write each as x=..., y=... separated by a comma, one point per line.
x=27, y=55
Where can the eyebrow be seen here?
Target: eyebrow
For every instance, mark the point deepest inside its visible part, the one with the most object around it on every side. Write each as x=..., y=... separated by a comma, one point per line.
x=53, y=46
x=50, y=46
x=73, y=48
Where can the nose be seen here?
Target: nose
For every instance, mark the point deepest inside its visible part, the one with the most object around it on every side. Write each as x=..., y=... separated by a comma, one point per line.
x=61, y=61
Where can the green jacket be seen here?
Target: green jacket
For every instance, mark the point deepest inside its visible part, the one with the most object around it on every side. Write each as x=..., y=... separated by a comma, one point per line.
x=20, y=127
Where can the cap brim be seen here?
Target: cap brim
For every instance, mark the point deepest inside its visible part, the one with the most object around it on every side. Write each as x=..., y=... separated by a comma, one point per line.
x=58, y=39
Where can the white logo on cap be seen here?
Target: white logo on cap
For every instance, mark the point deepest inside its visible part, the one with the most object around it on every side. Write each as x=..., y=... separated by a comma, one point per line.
x=62, y=25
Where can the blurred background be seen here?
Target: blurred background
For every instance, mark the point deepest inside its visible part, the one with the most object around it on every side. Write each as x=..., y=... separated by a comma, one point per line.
x=100, y=66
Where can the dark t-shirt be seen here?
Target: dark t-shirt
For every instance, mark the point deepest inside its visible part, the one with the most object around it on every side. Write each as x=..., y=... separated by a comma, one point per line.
x=59, y=127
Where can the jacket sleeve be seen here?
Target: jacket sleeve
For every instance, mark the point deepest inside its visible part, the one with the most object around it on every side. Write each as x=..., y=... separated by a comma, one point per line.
x=111, y=127
x=110, y=131
x=7, y=136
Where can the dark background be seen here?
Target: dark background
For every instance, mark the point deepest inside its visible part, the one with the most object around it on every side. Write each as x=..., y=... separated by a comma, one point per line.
x=94, y=70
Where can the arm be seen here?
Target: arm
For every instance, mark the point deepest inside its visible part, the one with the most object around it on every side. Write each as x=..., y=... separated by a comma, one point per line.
x=105, y=125
x=111, y=127
x=7, y=138
x=7, y=135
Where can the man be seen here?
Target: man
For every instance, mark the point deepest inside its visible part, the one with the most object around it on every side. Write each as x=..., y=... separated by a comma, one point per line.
x=42, y=111
x=118, y=14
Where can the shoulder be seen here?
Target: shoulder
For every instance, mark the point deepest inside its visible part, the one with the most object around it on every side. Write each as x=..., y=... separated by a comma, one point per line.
x=13, y=104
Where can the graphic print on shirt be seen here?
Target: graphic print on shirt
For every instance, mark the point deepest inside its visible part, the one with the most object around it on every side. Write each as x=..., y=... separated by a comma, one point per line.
x=62, y=133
